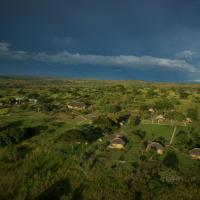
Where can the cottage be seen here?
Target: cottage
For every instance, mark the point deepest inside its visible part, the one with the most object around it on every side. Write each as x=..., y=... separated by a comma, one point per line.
x=157, y=146
x=195, y=153
x=160, y=118
x=187, y=121
x=34, y=101
x=117, y=143
x=18, y=100
x=122, y=119
x=151, y=110
x=76, y=105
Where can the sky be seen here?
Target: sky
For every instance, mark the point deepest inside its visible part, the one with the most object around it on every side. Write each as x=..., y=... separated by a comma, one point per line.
x=157, y=40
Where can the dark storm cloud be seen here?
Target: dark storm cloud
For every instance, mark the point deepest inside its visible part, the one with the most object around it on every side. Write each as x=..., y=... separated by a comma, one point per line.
x=104, y=30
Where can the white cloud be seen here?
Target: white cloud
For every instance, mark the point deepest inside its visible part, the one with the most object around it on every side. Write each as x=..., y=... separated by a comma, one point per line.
x=131, y=61
x=7, y=53
x=187, y=54
x=4, y=46
x=121, y=60
x=197, y=80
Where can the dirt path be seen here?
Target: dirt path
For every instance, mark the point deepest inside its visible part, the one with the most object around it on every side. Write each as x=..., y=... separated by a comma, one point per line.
x=172, y=137
x=84, y=119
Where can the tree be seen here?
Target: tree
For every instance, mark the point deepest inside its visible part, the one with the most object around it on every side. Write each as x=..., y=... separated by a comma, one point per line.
x=175, y=116
x=164, y=105
x=171, y=160
x=139, y=133
x=161, y=140
x=137, y=120
x=192, y=113
x=169, y=176
x=112, y=108
x=105, y=123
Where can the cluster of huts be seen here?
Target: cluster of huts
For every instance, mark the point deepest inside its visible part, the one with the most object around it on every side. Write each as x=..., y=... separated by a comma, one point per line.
x=119, y=142
x=17, y=101
x=161, y=118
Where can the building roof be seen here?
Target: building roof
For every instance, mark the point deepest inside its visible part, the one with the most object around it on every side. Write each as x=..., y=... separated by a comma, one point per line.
x=188, y=120
x=76, y=104
x=118, y=140
x=160, y=117
x=151, y=110
x=155, y=145
x=195, y=152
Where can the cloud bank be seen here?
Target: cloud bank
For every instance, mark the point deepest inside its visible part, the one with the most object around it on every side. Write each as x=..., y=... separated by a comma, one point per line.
x=67, y=58
x=7, y=53
x=186, y=54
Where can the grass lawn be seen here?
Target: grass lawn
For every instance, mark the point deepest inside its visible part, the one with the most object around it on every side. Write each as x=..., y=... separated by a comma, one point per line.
x=154, y=130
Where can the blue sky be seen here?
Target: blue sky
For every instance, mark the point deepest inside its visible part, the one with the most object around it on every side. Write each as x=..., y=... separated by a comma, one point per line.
x=155, y=40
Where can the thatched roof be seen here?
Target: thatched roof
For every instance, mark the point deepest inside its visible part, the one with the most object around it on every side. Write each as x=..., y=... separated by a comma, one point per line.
x=155, y=145
x=118, y=140
x=195, y=152
x=160, y=117
x=76, y=104
x=188, y=120
x=151, y=110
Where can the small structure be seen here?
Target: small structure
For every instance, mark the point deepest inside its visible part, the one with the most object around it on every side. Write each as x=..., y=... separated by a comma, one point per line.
x=151, y=110
x=157, y=146
x=187, y=121
x=76, y=105
x=117, y=143
x=34, y=101
x=160, y=118
x=18, y=100
x=122, y=119
x=195, y=153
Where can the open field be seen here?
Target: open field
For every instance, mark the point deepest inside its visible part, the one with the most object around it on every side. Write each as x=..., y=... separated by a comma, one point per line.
x=55, y=136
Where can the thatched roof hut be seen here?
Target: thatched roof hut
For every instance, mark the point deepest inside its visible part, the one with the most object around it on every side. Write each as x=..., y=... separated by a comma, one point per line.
x=76, y=105
x=195, y=153
x=151, y=110
x=188, y=120
x=117, y=143
x=157, y=146
x=160, y=118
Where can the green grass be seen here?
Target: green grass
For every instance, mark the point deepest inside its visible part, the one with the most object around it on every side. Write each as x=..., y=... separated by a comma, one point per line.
x=35, y=165
x=154, y=131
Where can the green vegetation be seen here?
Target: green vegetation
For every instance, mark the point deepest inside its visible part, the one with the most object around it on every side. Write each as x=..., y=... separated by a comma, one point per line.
x=50, y=151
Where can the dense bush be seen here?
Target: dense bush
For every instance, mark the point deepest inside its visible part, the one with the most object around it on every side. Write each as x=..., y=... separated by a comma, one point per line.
x=14, y=135
x=141, y=134
x=192, y=113
x=85, y=134
x=112, y=108
x=171, y=160
x=105, y=123
x=164, y=105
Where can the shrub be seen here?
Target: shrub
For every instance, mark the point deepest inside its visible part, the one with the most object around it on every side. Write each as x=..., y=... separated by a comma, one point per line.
x=105, y=123
x=171, y=160
x=169, y=176
x=139, y=133
x=192, y=113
